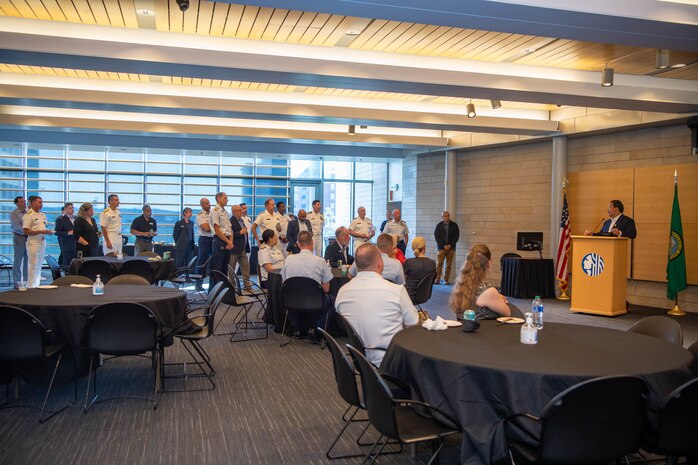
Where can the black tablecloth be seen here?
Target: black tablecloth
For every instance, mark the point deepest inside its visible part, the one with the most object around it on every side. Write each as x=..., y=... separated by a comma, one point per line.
x=274, y=283
x=525, y=278
x=481, y=378
x=162, y=269
x=65, y=309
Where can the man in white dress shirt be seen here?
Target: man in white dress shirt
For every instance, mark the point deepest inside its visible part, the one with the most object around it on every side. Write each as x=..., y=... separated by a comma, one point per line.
x=390, y=308
x=317, y=219
x=205, y=237
x=392, y=268
x=307, y=265
x=361, y=229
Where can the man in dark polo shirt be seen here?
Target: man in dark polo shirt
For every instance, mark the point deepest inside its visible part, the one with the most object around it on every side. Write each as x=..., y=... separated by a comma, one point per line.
x=144, y=227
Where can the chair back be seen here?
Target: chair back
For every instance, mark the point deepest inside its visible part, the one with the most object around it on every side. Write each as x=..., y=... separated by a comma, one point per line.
x=302, y=295
x=138, y=267
x=147, y=253
x=344, y=373
x=21, y=335
x=72, y=279
x=379, y=399
x=92, y=268
x=231, y=295
x=422, y=292
x=677, y=416
x=508, y=255
x=661, y=327
x=210, y=314
x=578, y=424
x=236, y=280
x=204, y=270
x=129, y=279
x=122, y=328
x=693, y=348
x=213, y=293
x=191, y=266
x=354, y=338
x=54, y=267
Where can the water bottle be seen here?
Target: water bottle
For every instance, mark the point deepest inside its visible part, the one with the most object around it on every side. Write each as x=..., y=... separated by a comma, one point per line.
x=529, y=334
x=98, y=287
x=537, y=310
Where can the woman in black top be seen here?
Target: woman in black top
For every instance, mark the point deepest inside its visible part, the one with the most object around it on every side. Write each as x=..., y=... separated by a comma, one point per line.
x=419, y=267
x=85, y=231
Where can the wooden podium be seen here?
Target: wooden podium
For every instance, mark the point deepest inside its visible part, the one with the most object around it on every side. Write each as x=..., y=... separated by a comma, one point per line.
x=599, y=269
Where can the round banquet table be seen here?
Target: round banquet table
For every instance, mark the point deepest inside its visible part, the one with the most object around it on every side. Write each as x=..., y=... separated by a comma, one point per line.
x=162, y=269
x=483, y=377
x=65, y=309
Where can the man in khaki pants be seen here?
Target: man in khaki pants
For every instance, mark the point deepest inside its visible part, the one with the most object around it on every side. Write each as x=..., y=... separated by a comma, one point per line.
x=446, y=234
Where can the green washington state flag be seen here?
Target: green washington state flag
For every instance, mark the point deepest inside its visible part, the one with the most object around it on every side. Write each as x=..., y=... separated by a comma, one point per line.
x=676, y=267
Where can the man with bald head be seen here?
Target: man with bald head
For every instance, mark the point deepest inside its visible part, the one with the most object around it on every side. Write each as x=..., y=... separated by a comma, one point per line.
x=375, y=308
x=339, y=249
x=398, y=227
x=295, y=226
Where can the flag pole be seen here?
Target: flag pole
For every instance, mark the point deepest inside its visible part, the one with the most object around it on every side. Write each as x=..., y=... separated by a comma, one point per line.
x=562, y=285
x=676, y=311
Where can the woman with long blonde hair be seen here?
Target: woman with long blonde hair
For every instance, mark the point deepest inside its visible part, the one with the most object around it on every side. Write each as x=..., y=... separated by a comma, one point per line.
x=471, y=292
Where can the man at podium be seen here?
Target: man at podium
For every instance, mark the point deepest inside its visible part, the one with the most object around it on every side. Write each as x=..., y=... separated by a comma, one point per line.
x=618, y=224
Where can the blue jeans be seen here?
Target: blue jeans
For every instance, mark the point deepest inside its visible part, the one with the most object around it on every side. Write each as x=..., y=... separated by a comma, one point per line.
x=19, y=264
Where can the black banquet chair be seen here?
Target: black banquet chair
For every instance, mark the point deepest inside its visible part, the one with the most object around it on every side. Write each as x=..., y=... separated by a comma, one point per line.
x=693, y=348
x=6, y=266
x=576, y=425
x=138, y=267
x=92, y=268
x=661, y=327
x=677, y=416
x=403, y=420
x=121, y=329
x=133, y=279
x=422, y=292
x=302, y=296
x=234, y=299
x=72, y=279
x=345, y=376
x=24, y=339
x=191, y=332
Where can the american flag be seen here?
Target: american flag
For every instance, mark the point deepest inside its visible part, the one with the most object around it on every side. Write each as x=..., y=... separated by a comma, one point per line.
x=564, y=247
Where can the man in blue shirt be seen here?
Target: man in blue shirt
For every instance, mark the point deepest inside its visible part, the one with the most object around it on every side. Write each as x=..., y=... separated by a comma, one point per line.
x=19, y=241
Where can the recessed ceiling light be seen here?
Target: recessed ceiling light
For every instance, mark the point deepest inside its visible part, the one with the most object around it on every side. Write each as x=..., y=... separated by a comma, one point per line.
x=678, y=65
x=528, y=50
x=145, y=12
x=352, y=32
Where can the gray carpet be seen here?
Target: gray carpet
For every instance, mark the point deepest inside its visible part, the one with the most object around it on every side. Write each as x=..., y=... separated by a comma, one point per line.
x=271, y=406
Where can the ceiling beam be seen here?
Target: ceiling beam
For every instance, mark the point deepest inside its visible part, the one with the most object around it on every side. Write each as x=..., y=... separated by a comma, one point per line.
x=171, y=54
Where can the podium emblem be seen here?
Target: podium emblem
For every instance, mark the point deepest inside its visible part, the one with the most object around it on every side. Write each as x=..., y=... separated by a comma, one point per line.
x=592, y=264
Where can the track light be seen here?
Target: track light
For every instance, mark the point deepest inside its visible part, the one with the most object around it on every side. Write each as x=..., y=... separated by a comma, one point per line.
x=471, y=110
x=607, y=77
x=495, y=104
x=352, y=130
x=183, y=5
x=662, y=58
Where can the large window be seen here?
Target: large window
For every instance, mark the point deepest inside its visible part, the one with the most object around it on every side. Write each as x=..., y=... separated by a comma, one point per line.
x=169, y=180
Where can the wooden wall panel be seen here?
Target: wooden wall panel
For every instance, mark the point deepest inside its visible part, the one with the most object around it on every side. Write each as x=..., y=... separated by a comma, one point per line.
x=654, y=194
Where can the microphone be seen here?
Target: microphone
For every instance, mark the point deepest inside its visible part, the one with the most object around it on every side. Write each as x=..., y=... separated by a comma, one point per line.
x=597, y=226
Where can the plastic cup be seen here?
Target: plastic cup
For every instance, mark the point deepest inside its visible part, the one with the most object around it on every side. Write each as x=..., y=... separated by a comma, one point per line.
x=345, y=268
x=22, y=286
x=469, y=315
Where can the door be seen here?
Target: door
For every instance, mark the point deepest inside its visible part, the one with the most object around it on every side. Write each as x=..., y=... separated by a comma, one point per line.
x=302, y=195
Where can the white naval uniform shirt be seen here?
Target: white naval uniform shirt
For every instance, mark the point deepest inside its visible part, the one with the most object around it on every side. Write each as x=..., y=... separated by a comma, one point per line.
x=392, y=269
x=271, y=255
x=360, y=226
x=390, y=310
x=317, y=221
x=266, y=220
x=203, y=218
x=111, y=221
x=220, y=217
x=398, y=228
x=35, y=221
